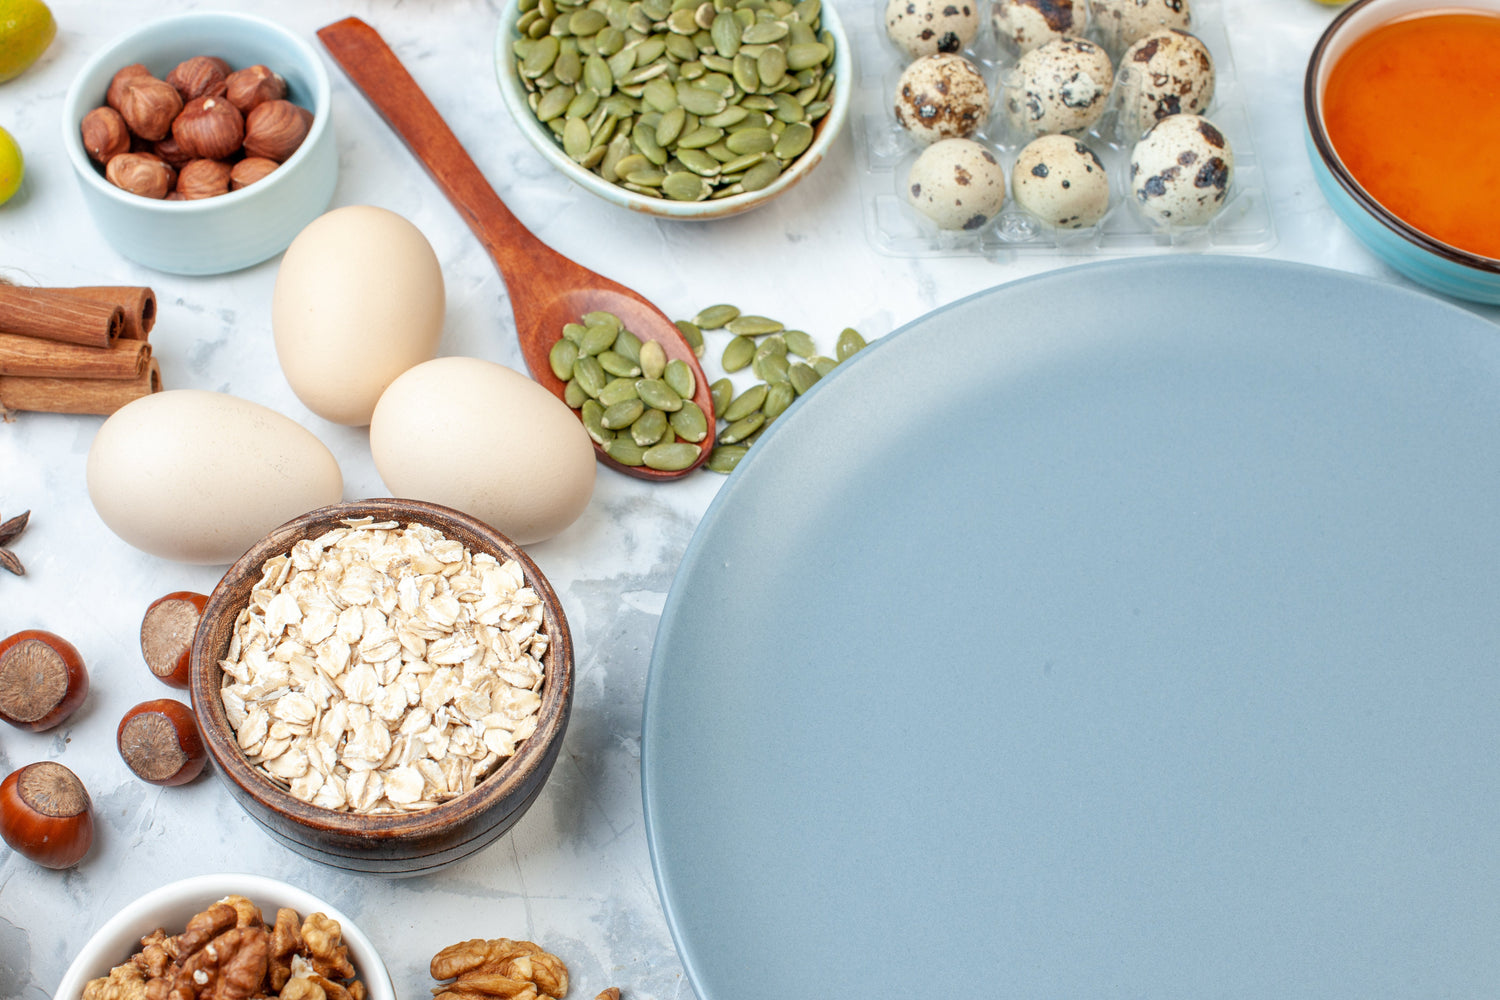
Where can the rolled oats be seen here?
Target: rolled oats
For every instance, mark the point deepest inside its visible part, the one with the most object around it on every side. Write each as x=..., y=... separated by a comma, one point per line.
x=384, y=669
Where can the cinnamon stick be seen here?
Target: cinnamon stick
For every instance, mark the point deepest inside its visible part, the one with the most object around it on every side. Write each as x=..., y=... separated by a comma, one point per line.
x=101, y=396
x=55, y=315
x=138, y=303
x=34, y=358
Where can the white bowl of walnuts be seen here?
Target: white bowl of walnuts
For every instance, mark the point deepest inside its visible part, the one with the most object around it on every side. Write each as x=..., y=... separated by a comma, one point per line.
x=202, y=142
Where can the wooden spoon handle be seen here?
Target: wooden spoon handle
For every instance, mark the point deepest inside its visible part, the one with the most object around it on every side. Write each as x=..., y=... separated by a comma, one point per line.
x=375, y=70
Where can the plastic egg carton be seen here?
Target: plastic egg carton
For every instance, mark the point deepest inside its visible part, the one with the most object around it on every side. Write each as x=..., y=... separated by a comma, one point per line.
x=887, y=152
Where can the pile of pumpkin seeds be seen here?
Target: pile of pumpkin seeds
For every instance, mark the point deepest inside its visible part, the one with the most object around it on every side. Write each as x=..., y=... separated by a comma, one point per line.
x=680, y=99
x=638, y=406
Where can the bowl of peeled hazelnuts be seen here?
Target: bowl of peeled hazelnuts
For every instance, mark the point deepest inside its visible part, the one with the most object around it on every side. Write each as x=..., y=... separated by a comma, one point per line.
x=202, y=142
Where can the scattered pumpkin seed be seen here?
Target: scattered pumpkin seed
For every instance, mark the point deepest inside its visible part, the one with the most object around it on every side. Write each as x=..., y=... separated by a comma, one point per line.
x=848, y=344
x=715, y=317
x=753, y=326
x=822, y=365
x=693, y=335
x=745, y=403
x=721, y=391
x=725, y=457
x=742, y=428
x=802, y=376
x=798, y=343
x=738, y=353
x=778, y=398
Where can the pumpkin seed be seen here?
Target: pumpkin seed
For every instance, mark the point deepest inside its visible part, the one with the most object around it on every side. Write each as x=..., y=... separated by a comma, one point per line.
x=593, y=416
x=554, y=103
x=745, y=403
x=753, y=326
x=761, y=175
x=561, y=358
x=653, y=359
x=540, y=56
x=597, y=76
x=574, y=332
x=597, y=339
x=794, y=141
x=670, y=126
x=806, y=55
x=725, y=32
x=679, y=378
x=587, y=22
x=622, y=414
x=715, y=317
x=774, y=344
x=625, y=451
x=772, y=368
x=693, y=335
x=649, y=428
x=725, y=457
x=787, y=109
x=721, y=391
x=729, y=117
x=588, y=373
x=738, y=353
x=778, y=398
x=689, y=423
x=764, y=33
x=822, y=365
x=617, y=390
x=698, y=162
x=617, y=364
x=655, y=392
x=573, y=394
x=629, y=345
x=742, y=428
x=671, y=457
x=802, y=377
x=770, y=66
x=848, y=343
x=798, y=343
x=685, y=186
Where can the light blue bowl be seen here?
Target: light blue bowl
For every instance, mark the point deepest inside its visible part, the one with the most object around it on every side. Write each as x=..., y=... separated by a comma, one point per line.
x=235, y=230
x=1431, y=262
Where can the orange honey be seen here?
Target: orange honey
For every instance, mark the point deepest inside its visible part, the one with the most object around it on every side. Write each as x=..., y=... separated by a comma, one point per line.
x=1413, y=111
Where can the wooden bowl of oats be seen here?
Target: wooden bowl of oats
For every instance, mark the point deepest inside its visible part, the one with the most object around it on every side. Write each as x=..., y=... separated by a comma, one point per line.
x=383, y=684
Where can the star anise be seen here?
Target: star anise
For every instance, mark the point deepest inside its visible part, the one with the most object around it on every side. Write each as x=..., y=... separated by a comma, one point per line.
x=9, y=532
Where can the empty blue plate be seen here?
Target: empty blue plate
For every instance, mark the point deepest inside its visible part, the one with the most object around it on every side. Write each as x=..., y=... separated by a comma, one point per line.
x=1131, y=631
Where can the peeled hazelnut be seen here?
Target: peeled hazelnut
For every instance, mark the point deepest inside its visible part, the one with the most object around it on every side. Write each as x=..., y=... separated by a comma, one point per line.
x=199, y=76
x=169, y=150
x=203, y=179
x=105, y=134
x=120, y=81
x=149, y=106
x=141, y=173
x=249, y=170
x=252, y=85
x=209, y=128
x=274, y=129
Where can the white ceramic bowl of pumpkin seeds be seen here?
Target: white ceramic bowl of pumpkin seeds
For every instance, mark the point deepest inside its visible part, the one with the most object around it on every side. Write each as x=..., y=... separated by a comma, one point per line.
x=682, y=109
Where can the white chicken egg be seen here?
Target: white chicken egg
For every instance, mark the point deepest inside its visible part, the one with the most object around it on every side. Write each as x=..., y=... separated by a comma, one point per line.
x=941, y=96
x=1062, y=182
x=1166, y=73
x=922, y=27
x=1122, y=23
x=1030, y=24
x=1063, y=86
x=957, y=183
x=1181, y=171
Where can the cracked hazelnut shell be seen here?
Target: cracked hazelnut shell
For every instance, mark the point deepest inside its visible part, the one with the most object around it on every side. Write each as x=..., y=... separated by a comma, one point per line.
x=46, y=815
x=199, y=76
x=274, y=129
x=160, y=743
x=167, y=631
x=105, y=134
x=209, y=128
x=144, y=174
x=149, y=106
x=42, y=680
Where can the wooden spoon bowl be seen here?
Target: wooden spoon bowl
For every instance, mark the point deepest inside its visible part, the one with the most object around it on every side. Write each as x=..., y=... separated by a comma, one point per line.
x=547, y=290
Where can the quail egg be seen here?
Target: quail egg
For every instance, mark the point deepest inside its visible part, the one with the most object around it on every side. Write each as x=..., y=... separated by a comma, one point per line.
x=941, y=96
x=1122, y=23
x=957, y=183
x=1180, y=171
x=1063, y=86
x=1061, y=181
x=1029, y=24
x=922, y=27
x=1166, y=73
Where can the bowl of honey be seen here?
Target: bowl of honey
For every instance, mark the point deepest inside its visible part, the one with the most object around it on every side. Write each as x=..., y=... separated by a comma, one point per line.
x=1403, y=130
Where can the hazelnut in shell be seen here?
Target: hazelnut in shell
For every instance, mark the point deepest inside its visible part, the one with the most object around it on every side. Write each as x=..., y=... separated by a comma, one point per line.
x=149, y=106
x=274, y=129
x=46, y=815
x=209, y=128
x=159, y=741
x=115, y=95
x=249, y=170
x=254, y=85
x=167, y=631
x=203, y=179
x=42, y=680
x=144, y=174
x=105, y=134
x=199, y=76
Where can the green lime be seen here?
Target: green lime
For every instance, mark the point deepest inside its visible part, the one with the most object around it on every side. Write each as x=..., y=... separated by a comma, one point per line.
x=11, y=166
x=26, y=29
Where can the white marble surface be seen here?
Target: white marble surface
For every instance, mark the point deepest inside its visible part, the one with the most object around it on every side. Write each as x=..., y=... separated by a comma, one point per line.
x=575, y=873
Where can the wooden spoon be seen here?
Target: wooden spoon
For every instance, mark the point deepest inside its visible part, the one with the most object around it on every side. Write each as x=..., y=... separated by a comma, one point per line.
x=547, y=290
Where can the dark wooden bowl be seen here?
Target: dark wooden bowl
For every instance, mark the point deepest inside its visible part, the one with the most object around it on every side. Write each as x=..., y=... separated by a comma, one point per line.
x=404, y=844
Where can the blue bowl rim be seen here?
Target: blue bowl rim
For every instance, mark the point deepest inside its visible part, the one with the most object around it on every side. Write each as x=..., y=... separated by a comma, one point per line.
x=1311, y=104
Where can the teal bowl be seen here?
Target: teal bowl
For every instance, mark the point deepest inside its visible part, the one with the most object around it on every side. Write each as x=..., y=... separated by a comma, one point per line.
x=234, y=230
x=1438, y=265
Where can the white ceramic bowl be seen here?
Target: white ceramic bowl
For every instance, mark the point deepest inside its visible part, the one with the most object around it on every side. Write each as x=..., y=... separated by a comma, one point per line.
x=172, y=905
x=827, y=130
x=235, y=230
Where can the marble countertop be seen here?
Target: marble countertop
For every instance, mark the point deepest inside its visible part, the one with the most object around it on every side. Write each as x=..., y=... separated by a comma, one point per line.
x=575, y=874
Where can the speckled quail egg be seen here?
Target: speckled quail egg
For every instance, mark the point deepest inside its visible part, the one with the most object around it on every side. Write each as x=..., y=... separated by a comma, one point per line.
x=957, y=183
x=1061, y=181
x=1029, y=24
x=1180, y=171
x=1122, y=23
x=1062, y=86
x=1168, y=72
x=922, y=27
x=941, y=96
